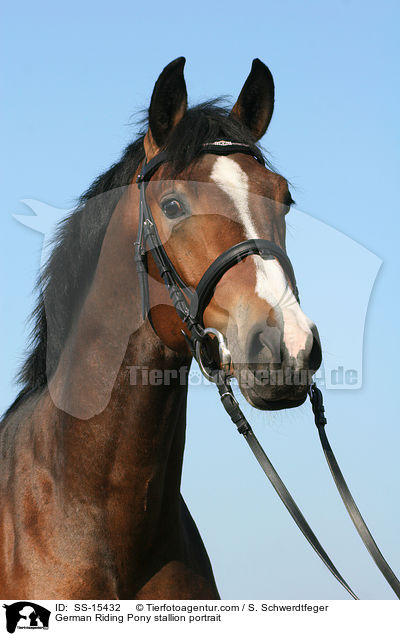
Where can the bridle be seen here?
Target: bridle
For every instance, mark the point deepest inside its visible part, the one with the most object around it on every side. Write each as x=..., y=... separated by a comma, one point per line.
x=190, y=306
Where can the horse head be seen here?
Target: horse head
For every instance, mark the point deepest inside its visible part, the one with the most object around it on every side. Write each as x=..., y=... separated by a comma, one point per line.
x=203, y=206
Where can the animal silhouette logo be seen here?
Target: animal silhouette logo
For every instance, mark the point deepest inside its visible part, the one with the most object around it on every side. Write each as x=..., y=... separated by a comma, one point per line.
x=26, y=615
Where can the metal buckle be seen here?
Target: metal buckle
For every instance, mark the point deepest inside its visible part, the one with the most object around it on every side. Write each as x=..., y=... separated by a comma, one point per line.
x=225, y=357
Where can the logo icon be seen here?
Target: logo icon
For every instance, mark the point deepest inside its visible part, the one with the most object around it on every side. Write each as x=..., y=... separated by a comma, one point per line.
x=26, y=615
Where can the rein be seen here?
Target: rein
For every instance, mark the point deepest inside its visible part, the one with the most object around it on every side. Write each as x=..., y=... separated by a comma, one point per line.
x=190, y=306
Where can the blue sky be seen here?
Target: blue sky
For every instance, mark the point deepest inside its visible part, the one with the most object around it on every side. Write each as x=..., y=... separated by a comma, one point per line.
x=75, y=78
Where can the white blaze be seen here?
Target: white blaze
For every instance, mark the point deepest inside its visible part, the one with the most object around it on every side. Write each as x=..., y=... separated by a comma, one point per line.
x=271, y=284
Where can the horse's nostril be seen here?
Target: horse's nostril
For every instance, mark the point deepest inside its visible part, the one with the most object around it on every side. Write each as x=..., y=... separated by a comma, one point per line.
x=264, y=346
x=315, y=357
x=258, y=347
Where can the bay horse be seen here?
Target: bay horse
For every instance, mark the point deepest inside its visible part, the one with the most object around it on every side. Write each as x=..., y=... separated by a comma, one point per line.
x=91, y=461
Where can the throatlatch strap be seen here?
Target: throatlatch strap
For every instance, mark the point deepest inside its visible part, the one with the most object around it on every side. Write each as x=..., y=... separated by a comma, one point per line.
x=347, y=497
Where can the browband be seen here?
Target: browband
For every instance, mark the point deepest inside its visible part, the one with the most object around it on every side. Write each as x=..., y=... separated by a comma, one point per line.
x=221, y=147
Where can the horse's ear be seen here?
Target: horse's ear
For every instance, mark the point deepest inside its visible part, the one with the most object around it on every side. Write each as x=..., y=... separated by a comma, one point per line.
x=168, y=102
x=255, y=104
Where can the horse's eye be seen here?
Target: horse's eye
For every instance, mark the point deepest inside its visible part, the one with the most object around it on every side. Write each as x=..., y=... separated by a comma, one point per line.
x=172, y=208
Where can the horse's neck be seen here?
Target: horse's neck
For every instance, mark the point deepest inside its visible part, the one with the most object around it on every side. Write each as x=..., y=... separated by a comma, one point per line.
x=135, y=445
x=119, y=431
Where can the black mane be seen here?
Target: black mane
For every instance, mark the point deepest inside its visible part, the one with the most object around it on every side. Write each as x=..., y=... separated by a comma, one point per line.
x=67, y=275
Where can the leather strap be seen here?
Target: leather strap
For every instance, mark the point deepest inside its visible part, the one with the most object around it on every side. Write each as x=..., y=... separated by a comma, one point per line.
x=224, y=147
x=205, y=289
x=351, y=506
x=234, y=411
x=148, y=168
